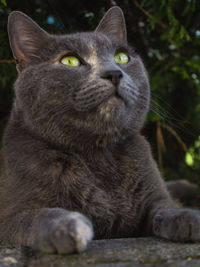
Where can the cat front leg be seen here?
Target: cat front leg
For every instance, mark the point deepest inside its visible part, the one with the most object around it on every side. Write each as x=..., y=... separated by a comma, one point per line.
x=165, y=218
x=181, y=225
x=50, y=230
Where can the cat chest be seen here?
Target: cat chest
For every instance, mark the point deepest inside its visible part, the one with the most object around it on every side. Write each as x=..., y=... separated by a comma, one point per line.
x=105, y=194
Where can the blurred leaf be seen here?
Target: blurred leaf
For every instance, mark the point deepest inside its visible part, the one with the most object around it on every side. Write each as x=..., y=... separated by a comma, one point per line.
x=4, y=2
x=189, y=159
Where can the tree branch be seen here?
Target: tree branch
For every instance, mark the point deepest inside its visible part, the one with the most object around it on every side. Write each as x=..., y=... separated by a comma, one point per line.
x=162, y=24
x=174, y=133
x=160, y=145
x=9, y=61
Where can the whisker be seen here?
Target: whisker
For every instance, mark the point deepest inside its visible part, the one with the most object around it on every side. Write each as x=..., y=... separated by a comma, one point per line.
x=129, y=85
x=173, y=118
x=90, y=92
x=167, y=104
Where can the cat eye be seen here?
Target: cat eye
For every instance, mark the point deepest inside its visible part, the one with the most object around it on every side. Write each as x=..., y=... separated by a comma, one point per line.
x=121, y=58
x=71, y=61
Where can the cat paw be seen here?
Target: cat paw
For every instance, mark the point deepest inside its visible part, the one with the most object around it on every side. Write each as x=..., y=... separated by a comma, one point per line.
x=65, y=235
x=181, y=225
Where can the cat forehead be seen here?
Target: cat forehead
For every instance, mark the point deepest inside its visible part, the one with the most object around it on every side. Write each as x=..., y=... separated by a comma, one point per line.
x=88, y=43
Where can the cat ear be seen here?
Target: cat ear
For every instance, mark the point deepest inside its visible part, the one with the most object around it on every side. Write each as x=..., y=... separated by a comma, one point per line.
x=26, y=38
x=113, y=23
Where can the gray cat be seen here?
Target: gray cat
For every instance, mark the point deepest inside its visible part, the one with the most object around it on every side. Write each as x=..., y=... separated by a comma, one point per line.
x=73, y=153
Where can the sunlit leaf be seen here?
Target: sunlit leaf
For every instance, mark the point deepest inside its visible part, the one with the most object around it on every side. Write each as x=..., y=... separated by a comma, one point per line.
x=189, y=159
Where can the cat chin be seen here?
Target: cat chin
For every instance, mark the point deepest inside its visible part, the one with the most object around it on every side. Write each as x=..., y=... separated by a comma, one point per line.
x=111, y=105
x=112, y=102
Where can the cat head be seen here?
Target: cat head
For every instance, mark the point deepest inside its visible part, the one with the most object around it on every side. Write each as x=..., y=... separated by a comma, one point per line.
x=79, y=89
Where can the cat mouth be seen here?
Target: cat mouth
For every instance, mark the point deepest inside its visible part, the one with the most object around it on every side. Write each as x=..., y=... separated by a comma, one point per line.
x=113, y=100
x=116, y=97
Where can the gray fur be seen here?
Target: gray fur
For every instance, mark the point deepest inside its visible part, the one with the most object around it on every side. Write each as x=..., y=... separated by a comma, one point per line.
x=73, y=144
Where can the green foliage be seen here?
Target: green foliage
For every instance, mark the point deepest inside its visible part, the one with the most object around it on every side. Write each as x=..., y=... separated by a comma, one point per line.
x=167, y=35
x=192, y=156
x=174, y=64
x=3, y=2
x=189, y=159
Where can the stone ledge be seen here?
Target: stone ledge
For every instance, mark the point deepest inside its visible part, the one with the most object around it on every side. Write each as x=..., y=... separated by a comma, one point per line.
x=136, y=252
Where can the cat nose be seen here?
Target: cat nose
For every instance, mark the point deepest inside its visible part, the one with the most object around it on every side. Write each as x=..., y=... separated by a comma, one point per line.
x=113, y=75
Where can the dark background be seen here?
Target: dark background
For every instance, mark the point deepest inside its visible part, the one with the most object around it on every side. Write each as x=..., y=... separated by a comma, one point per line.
x=166, y=33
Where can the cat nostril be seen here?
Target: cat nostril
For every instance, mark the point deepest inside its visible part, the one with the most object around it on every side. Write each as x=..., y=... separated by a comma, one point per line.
x=113, y=75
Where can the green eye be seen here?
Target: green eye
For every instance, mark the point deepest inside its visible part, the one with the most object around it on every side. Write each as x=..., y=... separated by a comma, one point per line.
x=121, y=58
x=71, y=61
